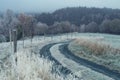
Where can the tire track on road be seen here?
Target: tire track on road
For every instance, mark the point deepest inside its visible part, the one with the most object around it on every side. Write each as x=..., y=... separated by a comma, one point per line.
x=45, y=52
x=67, y=68
x=99, y=68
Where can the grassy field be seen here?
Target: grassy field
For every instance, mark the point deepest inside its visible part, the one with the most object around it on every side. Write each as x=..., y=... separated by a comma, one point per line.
x=32, y=67
x=102, y=49
x=29, y=66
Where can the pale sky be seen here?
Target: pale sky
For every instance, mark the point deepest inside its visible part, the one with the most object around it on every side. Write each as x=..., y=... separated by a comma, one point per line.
x=52, y=5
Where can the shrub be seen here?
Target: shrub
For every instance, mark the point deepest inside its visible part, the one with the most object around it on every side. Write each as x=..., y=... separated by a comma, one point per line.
x=29, y=67
x=97, y=51
x=2, y=38
x=93, y=46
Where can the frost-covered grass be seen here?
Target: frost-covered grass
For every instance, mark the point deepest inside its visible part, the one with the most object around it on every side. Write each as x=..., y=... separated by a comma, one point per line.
x=96, y=49
x=6, y=48
x=113, y=40
x=29, y=67
x=32, y=67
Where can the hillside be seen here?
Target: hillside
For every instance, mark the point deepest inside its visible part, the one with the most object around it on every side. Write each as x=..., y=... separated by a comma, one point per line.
x=30, y=65
x=79, y=15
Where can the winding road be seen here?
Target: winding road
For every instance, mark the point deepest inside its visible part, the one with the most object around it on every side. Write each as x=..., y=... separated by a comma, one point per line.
x=45, y=52
x=59, y=53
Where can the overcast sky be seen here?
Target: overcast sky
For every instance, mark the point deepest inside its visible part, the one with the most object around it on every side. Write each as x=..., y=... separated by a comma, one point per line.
x=51, y=5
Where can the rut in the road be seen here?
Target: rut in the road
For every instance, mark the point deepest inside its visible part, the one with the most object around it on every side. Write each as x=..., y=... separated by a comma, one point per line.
x=72, y=65
x=99, y=68
x=59, y=53
x=45, y=52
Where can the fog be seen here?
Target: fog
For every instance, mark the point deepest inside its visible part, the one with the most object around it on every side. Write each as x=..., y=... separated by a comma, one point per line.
x=51, y=5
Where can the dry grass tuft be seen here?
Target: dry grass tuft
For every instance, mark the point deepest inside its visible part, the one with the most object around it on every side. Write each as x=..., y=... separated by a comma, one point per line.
x=97, y=51
x=92, y=45
x=29, y=67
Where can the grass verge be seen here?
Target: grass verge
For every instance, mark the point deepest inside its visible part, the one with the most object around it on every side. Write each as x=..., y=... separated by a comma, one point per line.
x=94, y=49
x=25, y=65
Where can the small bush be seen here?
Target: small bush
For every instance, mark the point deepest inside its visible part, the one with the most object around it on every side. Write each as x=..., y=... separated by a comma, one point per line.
x=29, y=67
x=93, y=46
x=2, y=38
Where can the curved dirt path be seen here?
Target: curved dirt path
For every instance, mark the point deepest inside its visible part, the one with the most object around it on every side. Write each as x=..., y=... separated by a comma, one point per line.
x=45, y=52
x=96, y=67
x=77, y=69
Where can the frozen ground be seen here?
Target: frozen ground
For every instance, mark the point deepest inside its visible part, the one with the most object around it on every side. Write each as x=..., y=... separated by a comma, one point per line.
x=78, y=70
x=29, y=65
x=39, y=41
x=102, y=49
x=113, y=40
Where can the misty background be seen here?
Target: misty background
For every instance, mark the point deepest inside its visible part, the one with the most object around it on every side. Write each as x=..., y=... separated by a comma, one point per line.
x=55, y=17
x=52, y=5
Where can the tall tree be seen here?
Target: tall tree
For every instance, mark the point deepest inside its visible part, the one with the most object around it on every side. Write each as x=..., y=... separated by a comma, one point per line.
x=41, y=28
x=105, y=26
x=92, y=27
x=27, y=22
x=82, y=28
x=115, y=26
x=9, y=22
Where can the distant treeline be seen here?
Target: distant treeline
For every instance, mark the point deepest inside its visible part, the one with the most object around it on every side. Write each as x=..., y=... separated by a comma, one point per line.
x=104, y=20
x=79, y=15
x=80, y=19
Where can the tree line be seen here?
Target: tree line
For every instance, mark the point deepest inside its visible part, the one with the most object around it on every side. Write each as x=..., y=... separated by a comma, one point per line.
x=79, y=15
x=80, y=19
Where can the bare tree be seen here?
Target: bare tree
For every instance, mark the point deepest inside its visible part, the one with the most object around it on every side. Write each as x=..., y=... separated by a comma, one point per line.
x=41, y=28
x=1, y=27
x=92, y=27
x=28, y=23
x=7, y=19
x=65, y=26
x=9, y=22
x=82, y=28
x=105, y=26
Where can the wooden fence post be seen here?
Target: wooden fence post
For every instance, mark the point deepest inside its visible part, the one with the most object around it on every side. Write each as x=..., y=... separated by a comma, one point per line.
x=10, y=39
x=23, y=35
x=15, y=40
